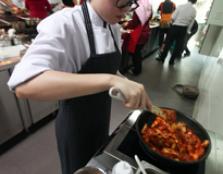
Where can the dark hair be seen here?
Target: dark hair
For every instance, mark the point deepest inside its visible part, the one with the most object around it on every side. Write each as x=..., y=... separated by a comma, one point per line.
x=192, y=1
x=68, y=3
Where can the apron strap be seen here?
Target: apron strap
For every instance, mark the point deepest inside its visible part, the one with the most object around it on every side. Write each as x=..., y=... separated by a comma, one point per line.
x=90, y=33
x=116, y=46
x=88, y=26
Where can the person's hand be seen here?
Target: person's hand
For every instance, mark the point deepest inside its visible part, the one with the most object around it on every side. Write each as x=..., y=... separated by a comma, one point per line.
x=134, y=94
x=124, y=25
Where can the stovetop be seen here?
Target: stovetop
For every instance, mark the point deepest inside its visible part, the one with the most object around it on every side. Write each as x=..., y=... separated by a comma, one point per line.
x=125, y=145
x=130, y=146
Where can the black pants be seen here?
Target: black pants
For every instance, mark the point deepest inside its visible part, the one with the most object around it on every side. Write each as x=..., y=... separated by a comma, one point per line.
x=162, y=32
x=137, y=60
x=187, y=38
x=176, y=34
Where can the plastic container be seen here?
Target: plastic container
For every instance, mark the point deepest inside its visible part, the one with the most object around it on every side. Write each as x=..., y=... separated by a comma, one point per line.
x=122, y=167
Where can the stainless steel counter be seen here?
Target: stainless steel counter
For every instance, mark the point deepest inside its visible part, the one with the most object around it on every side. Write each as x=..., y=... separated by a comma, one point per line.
x=18, y=114
x=110, y=154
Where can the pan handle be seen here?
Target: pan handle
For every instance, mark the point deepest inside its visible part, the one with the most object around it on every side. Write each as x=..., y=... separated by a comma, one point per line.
x=116, y=94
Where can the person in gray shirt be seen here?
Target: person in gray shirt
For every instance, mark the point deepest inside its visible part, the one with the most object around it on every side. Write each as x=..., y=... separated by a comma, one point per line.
x=182, y=19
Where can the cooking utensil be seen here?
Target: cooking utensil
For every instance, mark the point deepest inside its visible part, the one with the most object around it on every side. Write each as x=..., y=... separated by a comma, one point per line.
x=139, y=164
x=117, y=94
x=162, y=161
x=5, y=22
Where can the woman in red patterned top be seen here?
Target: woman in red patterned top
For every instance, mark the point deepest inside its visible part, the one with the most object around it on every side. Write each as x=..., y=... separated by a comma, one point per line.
x=38, y=8
x=139, y=26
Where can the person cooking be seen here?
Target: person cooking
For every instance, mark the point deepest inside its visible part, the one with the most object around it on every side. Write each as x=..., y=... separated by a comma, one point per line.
x=74, y=59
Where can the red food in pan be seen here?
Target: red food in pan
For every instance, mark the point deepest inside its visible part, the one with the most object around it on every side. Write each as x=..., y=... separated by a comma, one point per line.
x=173, y=139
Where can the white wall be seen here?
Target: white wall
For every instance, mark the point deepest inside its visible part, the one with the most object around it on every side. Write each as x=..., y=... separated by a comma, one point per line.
x=216, y=14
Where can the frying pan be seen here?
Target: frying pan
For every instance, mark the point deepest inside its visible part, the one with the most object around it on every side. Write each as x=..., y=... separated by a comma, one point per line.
x=148, y=117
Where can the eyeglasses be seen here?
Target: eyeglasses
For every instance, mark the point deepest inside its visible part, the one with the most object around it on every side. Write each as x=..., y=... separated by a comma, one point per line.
x=131, y=4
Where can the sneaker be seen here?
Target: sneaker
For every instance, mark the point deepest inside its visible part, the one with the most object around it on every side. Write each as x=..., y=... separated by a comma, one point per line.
x=186, y=54
x=171, y=62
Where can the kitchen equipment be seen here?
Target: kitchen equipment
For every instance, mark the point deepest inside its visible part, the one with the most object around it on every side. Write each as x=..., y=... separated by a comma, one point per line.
x=148, y=171
x=141, y=167
x=90, y=170
x=148, y=117
x=124, y=144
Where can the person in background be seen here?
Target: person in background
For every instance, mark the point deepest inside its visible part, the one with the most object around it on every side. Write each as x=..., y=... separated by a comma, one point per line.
x=38, y=8
x=165, y=10
x=183, y=17
x=74, y=59
x=190, y=33
x=139, y=26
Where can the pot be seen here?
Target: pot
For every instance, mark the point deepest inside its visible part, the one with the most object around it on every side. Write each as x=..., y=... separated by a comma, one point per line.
x=149, y=171
x=148, y=117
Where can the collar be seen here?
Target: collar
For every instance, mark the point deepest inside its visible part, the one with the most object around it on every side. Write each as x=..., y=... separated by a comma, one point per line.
x=189, y=3
x=95, y=18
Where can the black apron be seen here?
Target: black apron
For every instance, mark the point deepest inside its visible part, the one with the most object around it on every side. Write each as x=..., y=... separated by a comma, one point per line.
x=82, y=124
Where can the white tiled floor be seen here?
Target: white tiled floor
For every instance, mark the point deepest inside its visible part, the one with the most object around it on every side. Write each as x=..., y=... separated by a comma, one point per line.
x=37, y=154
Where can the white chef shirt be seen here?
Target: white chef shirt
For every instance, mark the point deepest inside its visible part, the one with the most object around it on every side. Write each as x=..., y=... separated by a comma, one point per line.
x=62, y=44
x=184, y=15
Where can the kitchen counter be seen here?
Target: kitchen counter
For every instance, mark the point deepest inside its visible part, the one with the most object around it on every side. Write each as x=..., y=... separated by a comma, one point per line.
x=114, y=151
x=9, y=56
x=9, y=62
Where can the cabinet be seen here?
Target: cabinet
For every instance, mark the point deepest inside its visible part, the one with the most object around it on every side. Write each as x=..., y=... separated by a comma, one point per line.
x=10, y=115
x=39, y=110
x=16, y=114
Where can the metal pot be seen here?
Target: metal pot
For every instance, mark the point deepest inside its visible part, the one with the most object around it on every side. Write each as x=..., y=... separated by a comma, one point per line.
x=148, y=171
x=90, y=170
